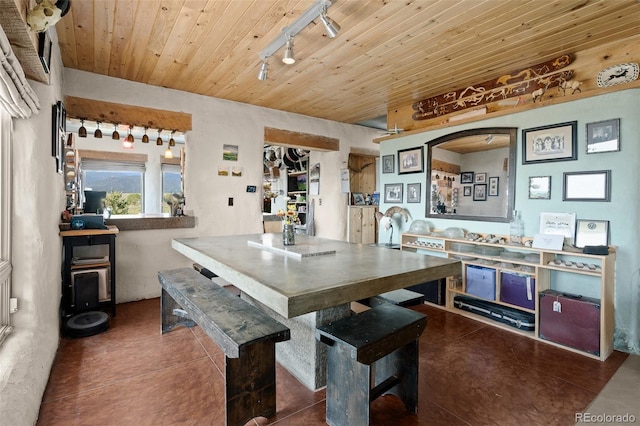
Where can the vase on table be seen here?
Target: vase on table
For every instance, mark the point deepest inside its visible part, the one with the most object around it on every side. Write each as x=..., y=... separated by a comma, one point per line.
x=288, y=234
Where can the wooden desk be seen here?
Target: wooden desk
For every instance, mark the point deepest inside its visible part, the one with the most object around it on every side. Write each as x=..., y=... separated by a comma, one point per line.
x=306, y=292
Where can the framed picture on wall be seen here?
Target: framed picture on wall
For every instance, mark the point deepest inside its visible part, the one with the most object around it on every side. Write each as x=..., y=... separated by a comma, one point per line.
x=480, y=192
x=539, y=187
x=557, y=142
x=467, y=191
x=387, y=163
x=493, y=186
x=413, y=192
x=393, y=193
x=58, y=134
x=466, y=177
x=411, y=160
x=587, y=186
x=481, y=178
x=603, y=136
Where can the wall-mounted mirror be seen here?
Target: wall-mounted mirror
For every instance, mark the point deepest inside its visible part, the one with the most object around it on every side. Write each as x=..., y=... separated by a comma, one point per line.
x=471, y=175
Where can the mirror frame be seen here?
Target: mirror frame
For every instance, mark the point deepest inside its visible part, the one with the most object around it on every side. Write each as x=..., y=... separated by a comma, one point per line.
x=511, y=171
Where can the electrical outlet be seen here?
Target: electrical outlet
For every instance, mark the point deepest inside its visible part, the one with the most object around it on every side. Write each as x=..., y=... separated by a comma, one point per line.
x=319, y=201
x=231, y=201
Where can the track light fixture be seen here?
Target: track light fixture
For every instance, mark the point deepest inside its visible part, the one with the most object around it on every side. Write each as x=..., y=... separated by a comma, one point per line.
x=115, y=135
x=172, y=141
x=329, y=24
x=145, y=138
x=289, y=58
x=264, y=71
x=159, y=141
x=318, y=9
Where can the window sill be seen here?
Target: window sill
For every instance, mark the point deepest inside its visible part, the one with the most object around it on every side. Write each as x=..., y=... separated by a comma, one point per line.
x=146, y=222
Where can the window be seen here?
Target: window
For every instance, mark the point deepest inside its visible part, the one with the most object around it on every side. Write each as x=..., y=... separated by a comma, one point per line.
x=123, y=182
x=171, y=183
x=5, y=223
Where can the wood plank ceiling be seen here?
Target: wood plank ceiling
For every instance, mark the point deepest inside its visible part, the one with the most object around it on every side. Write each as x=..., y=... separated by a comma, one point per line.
x=389, y=53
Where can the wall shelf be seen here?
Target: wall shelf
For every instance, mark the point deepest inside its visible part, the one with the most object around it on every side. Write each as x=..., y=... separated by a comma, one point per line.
x=600, y=269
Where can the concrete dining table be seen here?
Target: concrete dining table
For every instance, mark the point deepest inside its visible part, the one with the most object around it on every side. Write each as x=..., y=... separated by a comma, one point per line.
x=309, y=284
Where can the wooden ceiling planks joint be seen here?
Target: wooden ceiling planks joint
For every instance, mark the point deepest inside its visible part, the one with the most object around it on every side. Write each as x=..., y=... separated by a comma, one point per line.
x=300, y=140
x=388, y=54
x=109, y=112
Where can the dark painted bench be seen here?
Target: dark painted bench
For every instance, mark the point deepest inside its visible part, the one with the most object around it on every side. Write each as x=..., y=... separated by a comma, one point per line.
x=246, y=335
x=401, y=297
x=379, y=345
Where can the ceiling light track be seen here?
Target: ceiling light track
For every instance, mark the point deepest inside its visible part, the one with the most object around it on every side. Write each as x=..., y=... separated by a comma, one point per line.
x=318, y=9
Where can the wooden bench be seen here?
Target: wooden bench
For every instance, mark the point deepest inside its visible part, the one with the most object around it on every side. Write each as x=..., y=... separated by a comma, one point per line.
x=401, y=297
x=371, y=354
x=246, y=335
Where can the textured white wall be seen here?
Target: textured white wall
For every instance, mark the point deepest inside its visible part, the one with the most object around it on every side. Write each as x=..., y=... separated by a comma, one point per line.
x=38, y=198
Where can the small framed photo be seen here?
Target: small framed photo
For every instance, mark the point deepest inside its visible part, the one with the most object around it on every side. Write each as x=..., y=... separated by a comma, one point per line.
x=466, y=177
x=357, y=199
x=493, y=186
x=481, y=178
x=480, y=192
x=557, y=142
x=230, y=152
x=539, y=187
x=466, y=191
x=592, y=233
x=388, y=163
x=393, y=193
x=413, y=192
x=411, y=160
x=587, y=186
x=44, y=50
x=603, y=136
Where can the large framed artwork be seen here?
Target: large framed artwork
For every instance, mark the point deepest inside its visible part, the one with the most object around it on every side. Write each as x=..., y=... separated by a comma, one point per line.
x=557, y=142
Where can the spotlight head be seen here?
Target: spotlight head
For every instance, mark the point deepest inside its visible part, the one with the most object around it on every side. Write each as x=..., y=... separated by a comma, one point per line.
x=264, y=71
x=330, y=25
x=289, y=58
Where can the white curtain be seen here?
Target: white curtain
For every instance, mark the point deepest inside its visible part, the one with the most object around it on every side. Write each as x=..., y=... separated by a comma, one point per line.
x=16, y=96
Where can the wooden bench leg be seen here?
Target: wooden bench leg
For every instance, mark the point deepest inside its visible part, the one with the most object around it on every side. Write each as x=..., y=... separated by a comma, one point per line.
x=169, y=318
x=250, y=383
x=347, y=405
x=402, y=363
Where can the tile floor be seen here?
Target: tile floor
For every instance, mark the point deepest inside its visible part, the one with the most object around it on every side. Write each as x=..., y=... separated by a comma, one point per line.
x=470, y=374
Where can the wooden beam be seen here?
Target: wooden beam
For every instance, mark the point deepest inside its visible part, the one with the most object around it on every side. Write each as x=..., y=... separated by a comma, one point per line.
x=445, y=167
x=300, y=140
x=111, y=156
x=109, y=112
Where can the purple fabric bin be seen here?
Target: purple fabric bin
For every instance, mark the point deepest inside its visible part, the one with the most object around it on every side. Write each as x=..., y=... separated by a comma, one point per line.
x=517, y=289
x=481, y=282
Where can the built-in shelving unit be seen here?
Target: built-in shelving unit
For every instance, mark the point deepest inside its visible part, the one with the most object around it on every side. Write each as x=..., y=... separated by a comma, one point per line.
x=298, y=192
x=540, y=264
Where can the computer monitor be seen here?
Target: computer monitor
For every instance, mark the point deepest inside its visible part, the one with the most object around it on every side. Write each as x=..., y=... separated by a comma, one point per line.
x=93, y=201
